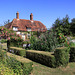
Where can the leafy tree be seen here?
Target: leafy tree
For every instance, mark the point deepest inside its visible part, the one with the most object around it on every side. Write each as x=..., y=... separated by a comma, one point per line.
x=66, y=25
x=57, y=26
x=62, y=25
x=73, y=26
x=6, y=22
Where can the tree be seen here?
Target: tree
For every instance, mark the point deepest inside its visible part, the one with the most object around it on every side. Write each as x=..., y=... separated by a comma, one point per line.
x=6, y=22
x=57, y=26
x=62, y=25
x=66, y=25
x=72, y=28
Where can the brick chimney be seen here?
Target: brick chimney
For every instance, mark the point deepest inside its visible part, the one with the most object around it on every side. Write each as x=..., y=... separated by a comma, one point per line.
x=31, y=16
x=17, y=15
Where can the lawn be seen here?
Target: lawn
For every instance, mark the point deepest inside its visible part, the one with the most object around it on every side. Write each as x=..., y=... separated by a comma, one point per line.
x=39, y=69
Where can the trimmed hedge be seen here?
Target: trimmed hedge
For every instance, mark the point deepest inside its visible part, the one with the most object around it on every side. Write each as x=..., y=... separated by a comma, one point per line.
x=42, y=57
x=72, y=54
x=25, y=63
x=62, y=56
x=17, y=51
x=0, y=46
x=3, y=46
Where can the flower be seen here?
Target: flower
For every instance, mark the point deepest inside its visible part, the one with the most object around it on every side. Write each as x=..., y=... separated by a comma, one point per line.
x=8, y=38
x=68, y=43
x=2, y=29
x=39, y=36
x=15, y=38
x=60, y=37
x=6, y=31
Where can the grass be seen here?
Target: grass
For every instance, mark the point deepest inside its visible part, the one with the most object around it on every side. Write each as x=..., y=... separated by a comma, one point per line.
x=39, y=69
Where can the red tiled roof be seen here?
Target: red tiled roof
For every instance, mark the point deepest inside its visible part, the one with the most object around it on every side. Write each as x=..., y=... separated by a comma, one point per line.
x=23, y=24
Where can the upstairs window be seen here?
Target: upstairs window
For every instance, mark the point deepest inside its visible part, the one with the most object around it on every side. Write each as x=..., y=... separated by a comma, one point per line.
x=28, y=29
x=15, y=28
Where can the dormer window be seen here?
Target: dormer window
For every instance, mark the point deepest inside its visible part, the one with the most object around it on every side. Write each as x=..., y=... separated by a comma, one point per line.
x=28, y=29
x=15, y=28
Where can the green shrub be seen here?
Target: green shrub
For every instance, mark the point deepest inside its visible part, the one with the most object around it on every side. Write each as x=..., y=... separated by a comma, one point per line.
x=46, y=42
x=4, y=70
x=0, y=46
x=62, y=56
x=3, y=41
x=18, y=51
x=15, y=42
x=45, y=58
x=72, y=54
x=2, y=55
x=20, y=65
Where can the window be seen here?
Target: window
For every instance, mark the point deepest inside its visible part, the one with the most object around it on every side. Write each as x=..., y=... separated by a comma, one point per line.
x=28, y=36
x=23, y=37
x=28, y=29
x=18, y=32
x=15, y=28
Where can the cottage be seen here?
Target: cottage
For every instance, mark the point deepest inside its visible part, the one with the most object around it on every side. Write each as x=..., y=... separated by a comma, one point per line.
x=22, y=25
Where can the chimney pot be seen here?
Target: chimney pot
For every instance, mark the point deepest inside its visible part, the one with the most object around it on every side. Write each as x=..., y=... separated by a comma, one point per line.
x=17, y=15
x=31, y=16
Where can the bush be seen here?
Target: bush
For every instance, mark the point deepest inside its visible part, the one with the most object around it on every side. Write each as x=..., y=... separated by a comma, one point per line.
x=15, y=42
x=72, y=54
x=46, y=42
x=4, y=70
x=18, y=51
x=62, y=56
x=45, y=58
x=20, y=65
x=3, y=41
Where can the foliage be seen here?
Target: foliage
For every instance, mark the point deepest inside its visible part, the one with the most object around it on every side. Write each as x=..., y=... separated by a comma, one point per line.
x=15, y=65
x=63, y=41
x=62, y=25
x=62, y=56
x=20, y=65
x=72, y=54
x=15, y=42
x=17, y=51
x=45, y=58
x=4, y=70
x=46, y=42
x=3, y=41
x=73, y=26
x=11, y=36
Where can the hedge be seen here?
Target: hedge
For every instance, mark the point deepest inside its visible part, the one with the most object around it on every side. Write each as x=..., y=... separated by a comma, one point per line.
x=3, y=46
x=42, y=57
x=72, y=54
x=25, y=63
x=0, y=46
x=17, y=51
x=62, y=56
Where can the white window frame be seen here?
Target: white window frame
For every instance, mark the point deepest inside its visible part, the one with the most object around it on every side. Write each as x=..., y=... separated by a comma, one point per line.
x=28, y=29
x=15, y=28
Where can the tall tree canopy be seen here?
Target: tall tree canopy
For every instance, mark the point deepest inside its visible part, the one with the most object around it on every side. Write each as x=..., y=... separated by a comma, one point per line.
x=73, y=26
x=62, y=25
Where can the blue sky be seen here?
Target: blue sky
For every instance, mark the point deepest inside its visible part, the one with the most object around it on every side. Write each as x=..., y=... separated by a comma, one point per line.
x=46, y=11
